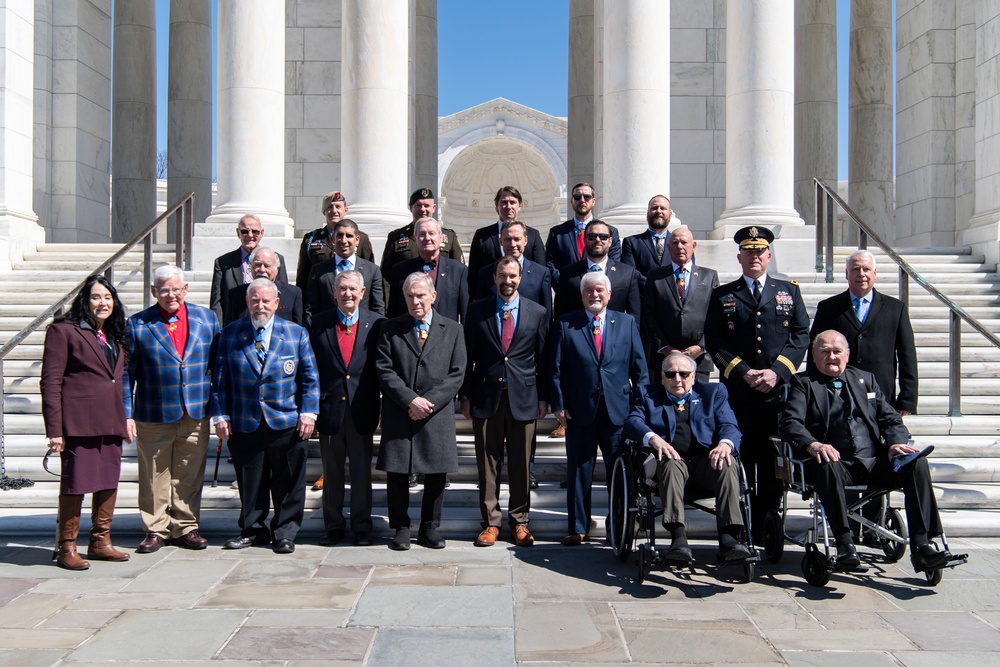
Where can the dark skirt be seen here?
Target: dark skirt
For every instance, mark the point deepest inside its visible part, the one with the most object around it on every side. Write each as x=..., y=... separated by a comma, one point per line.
x=90, y=464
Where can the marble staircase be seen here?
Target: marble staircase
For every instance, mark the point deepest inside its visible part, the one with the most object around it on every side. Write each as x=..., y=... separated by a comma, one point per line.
x=966, y=462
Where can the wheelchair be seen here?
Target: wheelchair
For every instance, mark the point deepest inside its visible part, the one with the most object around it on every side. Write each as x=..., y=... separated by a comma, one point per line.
x=818, y=563
x=634, y=513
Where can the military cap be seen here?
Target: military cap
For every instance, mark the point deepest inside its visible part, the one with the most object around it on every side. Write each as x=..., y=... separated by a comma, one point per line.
x=754, y=238
x=422, y=193
x=331, y=197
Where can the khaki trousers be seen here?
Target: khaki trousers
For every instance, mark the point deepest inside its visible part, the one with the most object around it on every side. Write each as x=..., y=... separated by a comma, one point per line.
x=171, y=474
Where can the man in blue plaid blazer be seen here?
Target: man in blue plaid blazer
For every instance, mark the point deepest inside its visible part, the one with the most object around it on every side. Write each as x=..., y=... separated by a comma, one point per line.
x=166, y=389
x=265, y=397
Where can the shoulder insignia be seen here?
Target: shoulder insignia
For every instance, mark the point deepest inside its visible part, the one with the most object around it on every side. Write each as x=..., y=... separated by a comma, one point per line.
x=716, y=286
x=794, y=282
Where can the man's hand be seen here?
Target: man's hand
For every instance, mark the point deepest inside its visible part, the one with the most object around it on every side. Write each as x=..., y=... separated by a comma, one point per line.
x=823, y=453
x=663, y=448
x=58, y=444
x=904, y=413
x=693, y=351
x=420, y=408
x=720, y=456
x=896, y=450
x=763, y=380
x=562, y=416
x=543, y=409
x=130, y=430
x=466, y=407
x=306, y=427
x=222, y=430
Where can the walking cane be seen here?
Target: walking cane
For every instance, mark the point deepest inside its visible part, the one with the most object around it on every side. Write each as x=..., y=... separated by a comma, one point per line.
x=45, y=466
x=218, y=455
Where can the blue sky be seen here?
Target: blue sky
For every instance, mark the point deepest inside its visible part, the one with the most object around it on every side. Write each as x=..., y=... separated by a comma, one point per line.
x=511, y=48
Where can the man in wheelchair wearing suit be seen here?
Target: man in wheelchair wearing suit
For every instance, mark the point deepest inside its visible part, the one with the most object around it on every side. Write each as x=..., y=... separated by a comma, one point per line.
x=693, y=433
x=838, y=416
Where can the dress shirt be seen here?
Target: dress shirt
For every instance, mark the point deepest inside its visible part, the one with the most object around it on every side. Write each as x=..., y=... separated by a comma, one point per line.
x=515, y=309
x=353, y=260
x=749, y=281
x=603, y=264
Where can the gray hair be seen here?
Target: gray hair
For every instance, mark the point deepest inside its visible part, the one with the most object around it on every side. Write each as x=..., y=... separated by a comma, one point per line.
x=420, y=221
x=257, y=251
x=349, y=274
x=860, y=253
x=836, y=335
x=593, y=277
x=679, y=355
x=418, y=277
x=164, y=273
x=260, y=283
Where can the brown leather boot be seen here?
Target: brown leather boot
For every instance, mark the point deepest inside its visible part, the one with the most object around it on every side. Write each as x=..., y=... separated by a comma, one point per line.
x=100, y=531
x=69, y=526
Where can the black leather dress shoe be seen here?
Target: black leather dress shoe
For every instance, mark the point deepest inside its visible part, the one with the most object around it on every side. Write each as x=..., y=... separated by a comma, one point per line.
x=241, y=542
x=401, y=541
x=332, y=538
x=190, y=540
x=283, y=546
x=847, y=557
x=429, y=537
x=412, y=481
x=678, y=554
x=363, y=539
x=735, y=554
x=152, y=543
x=925, y=557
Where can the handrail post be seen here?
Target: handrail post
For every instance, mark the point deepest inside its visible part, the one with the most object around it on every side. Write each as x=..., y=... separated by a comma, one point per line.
x=818, y=200
x=954, y=365
x=179, y=236
x=147, y=271
x=109, y=274
x=829, y=238
x=862, y=240
x=904, y=287
x=189, y=234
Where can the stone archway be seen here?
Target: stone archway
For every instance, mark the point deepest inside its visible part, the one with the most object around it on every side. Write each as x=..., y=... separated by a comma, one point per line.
x=482, y=168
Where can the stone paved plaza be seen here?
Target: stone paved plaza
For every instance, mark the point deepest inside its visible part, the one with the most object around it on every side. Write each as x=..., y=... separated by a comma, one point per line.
x=494, y=606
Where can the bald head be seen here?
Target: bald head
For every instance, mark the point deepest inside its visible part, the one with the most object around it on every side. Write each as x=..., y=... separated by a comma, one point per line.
x=830, y=353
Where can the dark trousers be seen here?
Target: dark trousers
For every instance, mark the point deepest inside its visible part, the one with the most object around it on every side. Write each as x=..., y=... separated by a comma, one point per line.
x=758, y=422
x=398, y=499
x=582, y=443
x=675, y=476
x=347, y=445
x=490, y=435
x=271, y=467
x=921, y=507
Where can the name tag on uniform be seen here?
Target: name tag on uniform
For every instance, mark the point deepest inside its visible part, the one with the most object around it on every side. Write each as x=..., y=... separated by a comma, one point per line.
x=871, y=396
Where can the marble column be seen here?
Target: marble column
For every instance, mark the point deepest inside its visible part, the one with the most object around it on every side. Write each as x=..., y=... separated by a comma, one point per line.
x=133, y=119
x=189, y=110
x=374, y=108
x=598, y=181
x=425, y=97
x=636, y=108
x=19, y=230
x=760, y=83
x=580, y=131
x=870, y=116
x=251, y=118
x=815, y=100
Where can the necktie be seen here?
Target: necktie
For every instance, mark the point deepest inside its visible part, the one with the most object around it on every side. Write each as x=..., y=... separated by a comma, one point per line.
x=859, y=306
x=659, y=247
x=598, y=337
x=595, y=267
x=506, y=327
x=681, y=275
x=247, y=276
x=345, y=339
x=258, y=344
x=344, y=265
x=579, y=243
x=756, y=291
x=423, y=329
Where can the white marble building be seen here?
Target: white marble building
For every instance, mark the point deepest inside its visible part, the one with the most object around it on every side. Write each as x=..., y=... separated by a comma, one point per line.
x=345, y=97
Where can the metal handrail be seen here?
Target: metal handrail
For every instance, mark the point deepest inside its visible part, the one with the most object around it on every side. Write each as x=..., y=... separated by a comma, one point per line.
x=183, y=211
x=826, y=197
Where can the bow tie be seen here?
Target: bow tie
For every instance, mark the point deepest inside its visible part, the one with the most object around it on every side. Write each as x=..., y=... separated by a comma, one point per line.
x=430, y=264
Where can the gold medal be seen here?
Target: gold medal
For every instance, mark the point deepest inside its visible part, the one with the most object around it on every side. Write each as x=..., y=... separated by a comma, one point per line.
x=172, y=327
x=350, y=329
x=680, y=407
x=423, y=334
x=506, y=314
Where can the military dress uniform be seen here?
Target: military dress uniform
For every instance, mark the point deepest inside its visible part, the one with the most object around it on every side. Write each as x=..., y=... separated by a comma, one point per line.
x=318, y=246
x=743, y=333
x=401, y=246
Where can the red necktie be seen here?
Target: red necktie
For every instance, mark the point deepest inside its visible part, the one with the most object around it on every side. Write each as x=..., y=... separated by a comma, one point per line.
x=579, y=243
x=506, y=329
x=598, y=338
x=346, y=341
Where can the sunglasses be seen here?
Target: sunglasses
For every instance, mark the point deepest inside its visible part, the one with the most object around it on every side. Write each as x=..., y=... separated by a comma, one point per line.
x=600, y=237
x=673, y=374
x=578, y=197
x=246, y=232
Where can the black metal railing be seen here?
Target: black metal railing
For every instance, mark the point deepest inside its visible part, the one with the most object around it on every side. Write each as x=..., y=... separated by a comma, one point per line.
x=827, y=201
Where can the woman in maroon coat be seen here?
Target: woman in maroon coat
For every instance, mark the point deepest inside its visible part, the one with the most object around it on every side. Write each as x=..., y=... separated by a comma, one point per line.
x=85, y=417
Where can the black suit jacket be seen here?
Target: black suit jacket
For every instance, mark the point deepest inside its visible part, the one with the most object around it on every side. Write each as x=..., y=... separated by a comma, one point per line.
x=341, y=387
x=452, y=287
x=639, y=251
x=536, y=284
x=806, y=417
x=668, y=322
x=290, y=305
x=228, y=274
x=319, y=288
x=561, y=248
x=625, y=296
x=485, y=249
x=880, y=345
x=522, y=366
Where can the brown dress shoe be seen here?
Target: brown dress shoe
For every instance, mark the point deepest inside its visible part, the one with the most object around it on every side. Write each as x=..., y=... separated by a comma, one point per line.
x=191, y=540
x=558, y=432
x=318, y=485
x=522, y=537
x=573, y=540
x=152, y=543
x=488, y=537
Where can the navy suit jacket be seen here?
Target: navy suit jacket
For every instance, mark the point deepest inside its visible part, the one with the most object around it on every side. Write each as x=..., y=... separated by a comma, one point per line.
x=536, y=284
x=639, y=251
x=578, y=375
x=228, y=274
x=669, y=322
x=290, y=304
x=711, y=418
x=522, y=366
x=319, y=286
x=344, y=387
x=561, y=248
x=452, y=287
x=486, y=249
x=625, y=295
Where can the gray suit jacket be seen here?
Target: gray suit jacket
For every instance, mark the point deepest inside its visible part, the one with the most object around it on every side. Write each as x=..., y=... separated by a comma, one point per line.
x=668, y=322
x=319, y=287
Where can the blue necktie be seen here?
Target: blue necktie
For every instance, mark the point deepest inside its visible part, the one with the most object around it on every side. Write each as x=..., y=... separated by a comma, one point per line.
x=258, y=338
x=344, y=265
x=859, y=305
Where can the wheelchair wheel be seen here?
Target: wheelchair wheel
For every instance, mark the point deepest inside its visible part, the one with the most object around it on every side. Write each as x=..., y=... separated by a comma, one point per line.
x=814, y=568
x=774, y=536
x=748, y=572
x=894, y=523
x=934, y=576
x=622, y=517
x=641, y=560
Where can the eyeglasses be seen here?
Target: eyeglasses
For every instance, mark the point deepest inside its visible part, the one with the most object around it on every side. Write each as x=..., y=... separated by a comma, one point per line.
x=596, y=237
x=166, y=291
x=670, y=375
x=254, y=232
x=577, y=197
